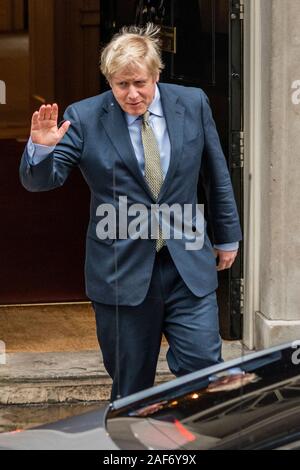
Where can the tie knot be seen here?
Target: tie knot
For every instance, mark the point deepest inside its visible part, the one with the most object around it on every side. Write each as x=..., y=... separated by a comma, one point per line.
x=146, y=116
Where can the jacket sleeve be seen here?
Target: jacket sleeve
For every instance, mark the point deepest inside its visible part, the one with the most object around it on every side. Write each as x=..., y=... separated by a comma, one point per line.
x=53, y=171
x=222, y=211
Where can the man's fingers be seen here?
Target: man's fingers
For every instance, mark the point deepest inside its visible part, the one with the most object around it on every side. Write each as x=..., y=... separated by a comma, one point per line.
x=226, y=260
x=222, y=266
x=42, y=111
x=63, y=129
x=48, y=110
x=54, y=112
x=35, y=119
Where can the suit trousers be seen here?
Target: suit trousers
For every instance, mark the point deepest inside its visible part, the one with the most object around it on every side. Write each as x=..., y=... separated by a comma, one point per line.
x=130, y=336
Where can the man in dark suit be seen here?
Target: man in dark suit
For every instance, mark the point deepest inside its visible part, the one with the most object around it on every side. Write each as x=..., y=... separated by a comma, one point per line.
x=142, y=143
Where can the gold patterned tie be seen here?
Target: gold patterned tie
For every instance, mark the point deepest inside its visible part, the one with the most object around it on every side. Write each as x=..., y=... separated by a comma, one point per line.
x=153, y=170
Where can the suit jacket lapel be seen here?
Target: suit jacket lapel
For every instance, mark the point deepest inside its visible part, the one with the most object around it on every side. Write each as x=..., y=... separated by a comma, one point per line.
x=115, y=125
x=174, y=115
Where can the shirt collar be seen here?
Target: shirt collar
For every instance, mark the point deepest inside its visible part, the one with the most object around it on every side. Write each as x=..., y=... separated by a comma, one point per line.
x=154, y=108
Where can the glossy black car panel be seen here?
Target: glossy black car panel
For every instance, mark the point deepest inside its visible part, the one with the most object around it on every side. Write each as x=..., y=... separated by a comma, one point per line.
x=249, y=403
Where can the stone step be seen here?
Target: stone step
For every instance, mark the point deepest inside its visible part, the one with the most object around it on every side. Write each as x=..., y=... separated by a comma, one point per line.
x=69, y=377
x=59, y=377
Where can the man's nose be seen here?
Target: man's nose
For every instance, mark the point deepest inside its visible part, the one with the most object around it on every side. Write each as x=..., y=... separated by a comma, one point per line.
x=132, y=92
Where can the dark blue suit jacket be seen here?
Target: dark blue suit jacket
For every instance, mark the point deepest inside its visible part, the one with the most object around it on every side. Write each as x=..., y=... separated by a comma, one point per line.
x=98, y=142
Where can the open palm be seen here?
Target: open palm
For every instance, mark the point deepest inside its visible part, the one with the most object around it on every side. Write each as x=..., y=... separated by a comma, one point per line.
x=44, y=130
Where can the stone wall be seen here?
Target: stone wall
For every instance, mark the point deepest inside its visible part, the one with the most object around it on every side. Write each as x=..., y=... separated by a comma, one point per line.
x=278, y=319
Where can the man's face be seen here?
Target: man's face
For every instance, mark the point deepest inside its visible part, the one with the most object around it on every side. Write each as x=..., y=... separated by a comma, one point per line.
x=134, y=89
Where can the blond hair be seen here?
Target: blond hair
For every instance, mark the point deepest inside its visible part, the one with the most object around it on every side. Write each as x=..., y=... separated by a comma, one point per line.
x=133, y=47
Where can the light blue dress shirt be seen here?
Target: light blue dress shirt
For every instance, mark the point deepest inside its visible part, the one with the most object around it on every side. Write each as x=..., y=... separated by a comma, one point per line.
x=159, y=127
x=38, y=153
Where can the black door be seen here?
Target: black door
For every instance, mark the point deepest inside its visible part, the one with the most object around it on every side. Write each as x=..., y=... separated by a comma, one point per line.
x=202, y=47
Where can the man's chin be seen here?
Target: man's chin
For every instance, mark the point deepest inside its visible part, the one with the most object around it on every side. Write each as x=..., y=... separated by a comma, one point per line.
x=136, y=110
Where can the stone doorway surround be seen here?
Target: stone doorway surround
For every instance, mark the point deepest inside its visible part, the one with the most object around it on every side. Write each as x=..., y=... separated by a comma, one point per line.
x=272, y=172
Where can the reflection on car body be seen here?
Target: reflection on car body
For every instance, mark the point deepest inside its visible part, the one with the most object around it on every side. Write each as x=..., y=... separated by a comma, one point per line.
x=253, y=403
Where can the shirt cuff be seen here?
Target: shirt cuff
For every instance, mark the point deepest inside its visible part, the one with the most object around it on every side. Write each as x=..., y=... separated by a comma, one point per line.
x=228, y=246
x=37, y=152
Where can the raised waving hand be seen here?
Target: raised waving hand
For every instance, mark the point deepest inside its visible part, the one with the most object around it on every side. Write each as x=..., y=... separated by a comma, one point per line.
x=44, y=129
